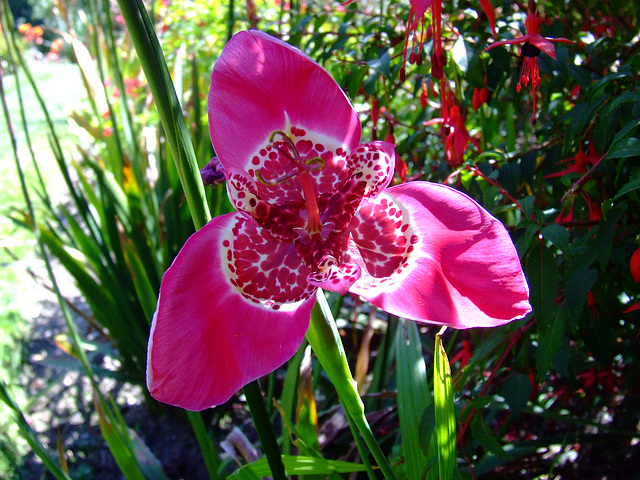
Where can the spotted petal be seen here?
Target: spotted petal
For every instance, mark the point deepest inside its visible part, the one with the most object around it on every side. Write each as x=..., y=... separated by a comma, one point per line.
x=430, y=253
x=261, y=86
x=233, y=307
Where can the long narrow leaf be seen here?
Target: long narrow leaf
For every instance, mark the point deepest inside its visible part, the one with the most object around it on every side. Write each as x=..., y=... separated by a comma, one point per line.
x=29, y=435
x=413, y=396
x=445, y=413
x=155, y=68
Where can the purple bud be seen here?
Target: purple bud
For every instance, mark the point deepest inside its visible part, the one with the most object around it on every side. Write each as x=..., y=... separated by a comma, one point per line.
x=213, y=172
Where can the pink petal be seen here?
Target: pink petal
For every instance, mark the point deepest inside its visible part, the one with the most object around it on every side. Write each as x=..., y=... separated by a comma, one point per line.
x=243, y=194
x=261, y=85
x=452, y=263
x=543, y=44
x=213, y=332
x=373, y=162
x=633, y=308
x=487, y=7
x=370, y=170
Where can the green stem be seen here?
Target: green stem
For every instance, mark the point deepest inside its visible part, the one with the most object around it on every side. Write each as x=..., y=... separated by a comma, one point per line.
x=362, y=448
x=324, y=338
x=211, y=460
x=268, y=439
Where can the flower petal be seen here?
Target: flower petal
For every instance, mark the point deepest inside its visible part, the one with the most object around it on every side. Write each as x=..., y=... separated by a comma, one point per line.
x=334, y=277
x=373, y=162
x=443, y=260
x=513, y=41
x=259, y=86
x=370, y=170
x=280, y=222
x=210, y=334
x=543, y=44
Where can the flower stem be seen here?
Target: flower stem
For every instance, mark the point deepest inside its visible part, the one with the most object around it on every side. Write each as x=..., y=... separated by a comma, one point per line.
x=324, y=339
x=261, y=421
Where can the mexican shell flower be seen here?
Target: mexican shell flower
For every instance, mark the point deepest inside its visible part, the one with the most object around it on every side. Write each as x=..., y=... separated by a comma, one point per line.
x=313, y=211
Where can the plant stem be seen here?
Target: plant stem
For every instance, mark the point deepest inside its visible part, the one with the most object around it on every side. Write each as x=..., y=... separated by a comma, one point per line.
x=324, y=339
x=267, y=437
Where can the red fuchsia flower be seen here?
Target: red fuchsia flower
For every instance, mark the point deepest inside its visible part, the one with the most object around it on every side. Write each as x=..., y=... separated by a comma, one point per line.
x=416, y=30
x=533, y=43
x=457, y=137
x=313, y=211
x=415, y=22
x=578, y=163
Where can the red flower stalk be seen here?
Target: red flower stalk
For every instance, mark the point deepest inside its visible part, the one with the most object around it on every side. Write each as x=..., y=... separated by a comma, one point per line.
x=533, y=43
x=415, y=21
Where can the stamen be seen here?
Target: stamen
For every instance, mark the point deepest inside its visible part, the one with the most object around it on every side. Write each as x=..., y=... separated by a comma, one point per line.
x=301, y=170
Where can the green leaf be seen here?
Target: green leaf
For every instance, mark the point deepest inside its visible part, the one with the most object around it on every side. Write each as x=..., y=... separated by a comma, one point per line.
x=483, y=435
x=634, y=184
x=445, y=413
x=413, y=395
x=542, y=274
x=558, y=235
x=516, y=391
x=550, y=344
x=298, y=465
x=460, y=56
x=628, y=147
x=578, y=287
x=604, y=237
x=382, y=64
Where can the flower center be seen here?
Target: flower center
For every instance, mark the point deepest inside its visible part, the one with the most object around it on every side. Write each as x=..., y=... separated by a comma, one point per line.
x=301, y=170
x=529, y=50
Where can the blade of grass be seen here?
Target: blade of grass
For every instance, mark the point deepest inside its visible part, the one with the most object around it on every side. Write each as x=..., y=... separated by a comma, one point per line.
x=133, y=470
x=265, y=430
x=211, y=459
x=287, y=399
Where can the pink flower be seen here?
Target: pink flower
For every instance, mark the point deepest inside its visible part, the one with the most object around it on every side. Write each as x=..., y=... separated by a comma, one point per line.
x=313, y=211
x=533, y=43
